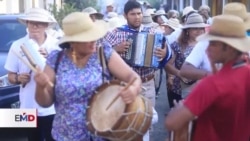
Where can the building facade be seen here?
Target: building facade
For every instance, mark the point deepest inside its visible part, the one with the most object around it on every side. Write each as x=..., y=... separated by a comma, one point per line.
x=215, y=5
x=19, y=6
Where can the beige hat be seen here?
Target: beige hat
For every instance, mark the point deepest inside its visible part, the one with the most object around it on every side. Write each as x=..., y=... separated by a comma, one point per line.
x=228, y=29
x=204, y=7
x=92, y=11
x=109, y=3
x=38, y=15
x=194, y=20
x=238, y=9
x=114, y=23
x=150, y=11
x=160, y=12
x=187, y=10
x=147, y=20
x=112, y=14
x=173, y=23
x=78, y=27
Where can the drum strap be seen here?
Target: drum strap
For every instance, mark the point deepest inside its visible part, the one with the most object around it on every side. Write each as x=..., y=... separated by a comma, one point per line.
x=101, y=57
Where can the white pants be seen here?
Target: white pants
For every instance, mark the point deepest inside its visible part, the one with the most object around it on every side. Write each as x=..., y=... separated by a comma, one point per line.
x=149, y=93
x=154, y=120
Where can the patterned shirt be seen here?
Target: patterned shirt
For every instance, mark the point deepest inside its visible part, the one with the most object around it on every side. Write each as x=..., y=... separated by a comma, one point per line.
x=180, y=56
x=118, y=36
x=74, y=87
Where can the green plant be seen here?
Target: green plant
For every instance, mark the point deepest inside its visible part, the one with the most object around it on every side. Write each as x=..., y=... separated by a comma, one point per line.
x=59, y=14
x=81, y=4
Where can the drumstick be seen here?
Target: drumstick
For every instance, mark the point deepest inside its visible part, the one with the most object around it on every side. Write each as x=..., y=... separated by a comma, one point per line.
x=29, y=65
x=117, y=96
x=29, y=56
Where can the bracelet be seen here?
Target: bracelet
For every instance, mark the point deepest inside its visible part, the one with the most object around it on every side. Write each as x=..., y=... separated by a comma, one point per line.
x=16, y=79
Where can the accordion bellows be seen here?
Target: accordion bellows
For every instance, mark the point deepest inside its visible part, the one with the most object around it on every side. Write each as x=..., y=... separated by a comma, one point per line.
x=141, y=50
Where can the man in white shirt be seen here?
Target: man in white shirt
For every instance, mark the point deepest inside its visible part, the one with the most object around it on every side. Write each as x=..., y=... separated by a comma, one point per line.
x=37, y=21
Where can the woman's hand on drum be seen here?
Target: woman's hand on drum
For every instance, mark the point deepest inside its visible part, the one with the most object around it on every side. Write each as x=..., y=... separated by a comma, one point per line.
x=129, y=95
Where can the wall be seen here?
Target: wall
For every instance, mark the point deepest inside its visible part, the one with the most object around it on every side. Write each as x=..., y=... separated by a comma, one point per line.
x=20, y=6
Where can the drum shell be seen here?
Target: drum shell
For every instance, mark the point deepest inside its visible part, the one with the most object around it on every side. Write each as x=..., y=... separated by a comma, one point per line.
x=131, y=125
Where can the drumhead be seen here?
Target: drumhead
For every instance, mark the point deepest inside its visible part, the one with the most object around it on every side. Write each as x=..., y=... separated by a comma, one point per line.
x=101, y=119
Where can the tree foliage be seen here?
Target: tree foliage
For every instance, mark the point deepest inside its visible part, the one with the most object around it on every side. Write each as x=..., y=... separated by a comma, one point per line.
x=81, y=4
x=59, y=14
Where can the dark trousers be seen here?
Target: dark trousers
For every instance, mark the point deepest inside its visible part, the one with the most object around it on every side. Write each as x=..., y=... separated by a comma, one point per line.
x=173, y=96
x=43, y=130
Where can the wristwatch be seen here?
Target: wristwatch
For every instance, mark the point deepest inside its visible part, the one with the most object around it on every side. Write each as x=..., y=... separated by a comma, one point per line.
x=16, y=79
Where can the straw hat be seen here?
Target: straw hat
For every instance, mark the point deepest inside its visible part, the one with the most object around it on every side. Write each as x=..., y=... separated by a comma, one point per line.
x=194, y=20
x=114, y=23
x=204, y=7
x=78, y=27
x=238, y=9
x=173, y=23
x=37, y=15
x=160, y=12
x=187, y=10
x=147, y=20
x=92, y=11
x=228, y=29
x=110, y=3
x=150, y=11
x=112, y=14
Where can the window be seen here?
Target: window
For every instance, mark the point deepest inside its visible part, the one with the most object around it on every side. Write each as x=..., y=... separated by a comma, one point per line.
x=12, y=30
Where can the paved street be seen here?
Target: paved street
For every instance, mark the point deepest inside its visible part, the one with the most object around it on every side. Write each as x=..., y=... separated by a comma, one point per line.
x=159, y=132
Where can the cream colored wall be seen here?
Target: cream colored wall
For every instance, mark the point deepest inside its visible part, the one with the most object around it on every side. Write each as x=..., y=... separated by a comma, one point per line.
x=12, y=6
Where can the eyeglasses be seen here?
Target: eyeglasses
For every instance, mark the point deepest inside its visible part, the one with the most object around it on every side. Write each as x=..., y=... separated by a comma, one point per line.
x=37, y=24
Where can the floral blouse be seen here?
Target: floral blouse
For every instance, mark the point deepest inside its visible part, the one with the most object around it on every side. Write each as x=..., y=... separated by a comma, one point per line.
x=180, y=57
x=74, y=87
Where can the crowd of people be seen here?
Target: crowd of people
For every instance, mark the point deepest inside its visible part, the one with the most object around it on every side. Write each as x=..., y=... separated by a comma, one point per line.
x=206, y=61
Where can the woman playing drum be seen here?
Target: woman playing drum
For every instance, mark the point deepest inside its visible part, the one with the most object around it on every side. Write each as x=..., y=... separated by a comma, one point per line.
x=77, y=76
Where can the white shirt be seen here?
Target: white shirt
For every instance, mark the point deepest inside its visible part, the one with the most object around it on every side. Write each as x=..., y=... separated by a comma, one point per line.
x=174, y=35
x=14, y=64
x=198, y=57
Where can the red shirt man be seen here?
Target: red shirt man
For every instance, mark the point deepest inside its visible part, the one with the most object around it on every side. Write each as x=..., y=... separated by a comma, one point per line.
x=220, y=102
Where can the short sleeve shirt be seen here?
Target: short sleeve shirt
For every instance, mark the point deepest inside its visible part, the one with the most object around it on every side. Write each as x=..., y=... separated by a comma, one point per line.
x=222, y=105
x=74, y=87
x=14, y=64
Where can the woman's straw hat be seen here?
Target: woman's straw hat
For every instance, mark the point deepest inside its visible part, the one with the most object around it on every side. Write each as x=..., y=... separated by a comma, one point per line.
x=93, y=11
x=194, y=20
x=173, y=23
x=78, y=27
x=37, y=15
x=228, y=29
x=238, y=9
x=187, y=10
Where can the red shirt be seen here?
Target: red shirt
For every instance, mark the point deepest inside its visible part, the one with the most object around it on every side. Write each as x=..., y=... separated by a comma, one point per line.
x=222, y=104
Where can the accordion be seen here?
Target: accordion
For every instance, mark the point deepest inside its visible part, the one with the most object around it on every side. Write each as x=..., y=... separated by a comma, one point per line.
x=141, y=50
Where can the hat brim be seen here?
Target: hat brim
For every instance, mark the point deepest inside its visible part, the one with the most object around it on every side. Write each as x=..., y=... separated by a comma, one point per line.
x=173, y=27
x=98, y=15
x=247, y=22
x=200, y=25
x=24, y=20
x=241, y=44
x=98, y=31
